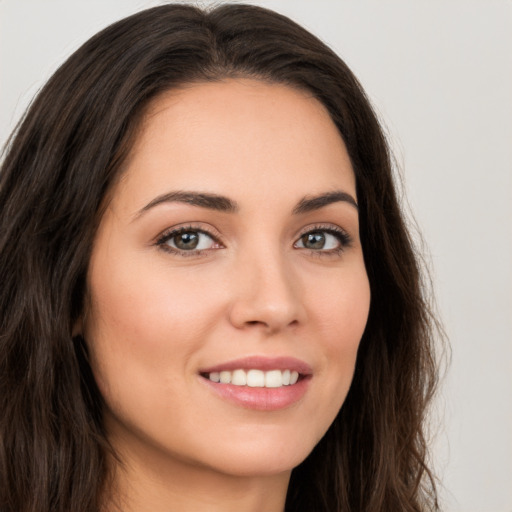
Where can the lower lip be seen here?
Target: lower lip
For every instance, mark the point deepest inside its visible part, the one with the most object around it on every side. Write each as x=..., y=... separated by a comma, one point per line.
x=260, y=399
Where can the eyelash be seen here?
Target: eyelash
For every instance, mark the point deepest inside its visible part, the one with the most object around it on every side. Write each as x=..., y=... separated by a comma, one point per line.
x=169, y=235
x=344, y=239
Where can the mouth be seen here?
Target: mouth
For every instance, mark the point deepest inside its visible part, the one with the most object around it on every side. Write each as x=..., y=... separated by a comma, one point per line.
x=255, y=378
x=265, y=384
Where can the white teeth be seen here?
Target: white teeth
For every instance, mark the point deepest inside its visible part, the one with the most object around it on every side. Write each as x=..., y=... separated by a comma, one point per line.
x=256, y=378
x=273, y=379
x=225, y=377
x=239, y=378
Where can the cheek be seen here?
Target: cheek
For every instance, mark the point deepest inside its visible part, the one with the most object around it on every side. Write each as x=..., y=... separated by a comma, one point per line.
x=143, y=331
x=342, y=308
x=341, y=313
x=143, y=325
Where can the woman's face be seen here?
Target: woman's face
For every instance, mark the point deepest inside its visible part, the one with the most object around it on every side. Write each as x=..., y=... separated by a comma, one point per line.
x=228, y=265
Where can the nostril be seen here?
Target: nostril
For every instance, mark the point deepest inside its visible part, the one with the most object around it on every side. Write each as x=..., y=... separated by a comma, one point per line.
x=266, y=307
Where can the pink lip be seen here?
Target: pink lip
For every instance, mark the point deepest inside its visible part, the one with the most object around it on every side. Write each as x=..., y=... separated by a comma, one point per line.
x=261, y=399
x=262, y=363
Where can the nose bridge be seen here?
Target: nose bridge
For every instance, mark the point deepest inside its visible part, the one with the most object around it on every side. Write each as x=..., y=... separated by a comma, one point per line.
x=265, y=290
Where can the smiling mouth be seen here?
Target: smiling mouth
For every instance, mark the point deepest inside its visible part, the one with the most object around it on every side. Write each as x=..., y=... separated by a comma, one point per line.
x=260, y=383
x=254, y=378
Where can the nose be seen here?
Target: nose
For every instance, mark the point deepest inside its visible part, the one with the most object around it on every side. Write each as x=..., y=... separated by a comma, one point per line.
x=266, y=294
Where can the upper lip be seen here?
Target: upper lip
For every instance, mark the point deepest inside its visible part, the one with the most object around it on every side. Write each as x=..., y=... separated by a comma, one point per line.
x=262, y=363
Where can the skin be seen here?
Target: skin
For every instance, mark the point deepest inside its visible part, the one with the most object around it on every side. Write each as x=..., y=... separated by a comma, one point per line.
x=156, y=317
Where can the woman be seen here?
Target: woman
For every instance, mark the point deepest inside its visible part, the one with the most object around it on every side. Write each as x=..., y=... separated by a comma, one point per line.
x=209, y=297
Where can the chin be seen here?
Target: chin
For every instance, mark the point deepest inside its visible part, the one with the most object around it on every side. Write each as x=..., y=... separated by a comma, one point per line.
x=248, y=465
x=263, y=455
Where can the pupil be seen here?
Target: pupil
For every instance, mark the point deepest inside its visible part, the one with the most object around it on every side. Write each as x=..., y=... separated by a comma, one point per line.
x=314, y=240
x=187, y=240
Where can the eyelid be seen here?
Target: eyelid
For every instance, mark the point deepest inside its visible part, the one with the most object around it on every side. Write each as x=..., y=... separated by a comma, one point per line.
x=330, y=228
x=343, y=236
x=161, y=239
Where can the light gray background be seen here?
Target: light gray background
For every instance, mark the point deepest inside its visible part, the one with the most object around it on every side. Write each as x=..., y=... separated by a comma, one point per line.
x=440, y=74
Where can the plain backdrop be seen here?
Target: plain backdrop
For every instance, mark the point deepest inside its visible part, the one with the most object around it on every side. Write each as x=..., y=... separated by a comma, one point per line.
x=440, y=75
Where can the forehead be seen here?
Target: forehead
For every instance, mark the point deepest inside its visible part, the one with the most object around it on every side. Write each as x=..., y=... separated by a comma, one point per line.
x=237, y=136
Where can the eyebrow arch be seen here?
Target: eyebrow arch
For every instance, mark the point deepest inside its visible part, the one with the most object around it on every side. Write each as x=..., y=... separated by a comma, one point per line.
x=308, y=204
x=203, y=200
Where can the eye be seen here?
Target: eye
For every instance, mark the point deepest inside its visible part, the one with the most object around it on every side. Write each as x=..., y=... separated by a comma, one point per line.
x=325, y=240
x=187, y=240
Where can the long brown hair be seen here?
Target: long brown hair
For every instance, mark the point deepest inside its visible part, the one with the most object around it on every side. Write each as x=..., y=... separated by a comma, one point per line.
x=57, y=172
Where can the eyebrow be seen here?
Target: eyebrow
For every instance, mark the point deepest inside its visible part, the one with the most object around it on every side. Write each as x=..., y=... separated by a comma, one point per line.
x=224, y=204
x=203, y=200
x=311, y=203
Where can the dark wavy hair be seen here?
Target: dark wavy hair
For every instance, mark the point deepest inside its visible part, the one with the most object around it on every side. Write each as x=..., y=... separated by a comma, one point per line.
x=58, y=169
